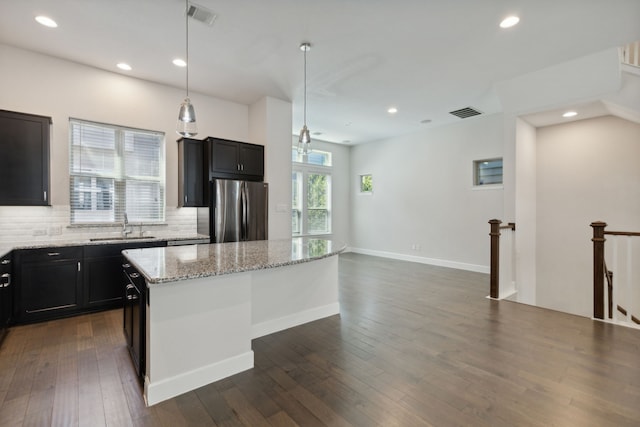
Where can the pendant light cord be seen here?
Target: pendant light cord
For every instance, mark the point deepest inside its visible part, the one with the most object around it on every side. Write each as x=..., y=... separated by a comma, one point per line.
x=305, y=86
x=186, y=14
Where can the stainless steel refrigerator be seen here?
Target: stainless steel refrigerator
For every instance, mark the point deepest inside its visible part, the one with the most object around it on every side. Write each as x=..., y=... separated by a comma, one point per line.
x=238, y=211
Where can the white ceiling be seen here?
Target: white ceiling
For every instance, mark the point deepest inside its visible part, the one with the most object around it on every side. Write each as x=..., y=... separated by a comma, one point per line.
x=426, y=57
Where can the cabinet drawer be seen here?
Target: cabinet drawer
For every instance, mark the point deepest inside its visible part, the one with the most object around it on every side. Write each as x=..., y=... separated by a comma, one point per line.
x=50, y=254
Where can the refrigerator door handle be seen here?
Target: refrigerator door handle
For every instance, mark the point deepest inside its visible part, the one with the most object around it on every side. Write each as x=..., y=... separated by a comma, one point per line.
x=245, y=203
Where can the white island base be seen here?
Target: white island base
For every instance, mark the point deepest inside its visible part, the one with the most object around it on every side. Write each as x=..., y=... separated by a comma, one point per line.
x=200, y=330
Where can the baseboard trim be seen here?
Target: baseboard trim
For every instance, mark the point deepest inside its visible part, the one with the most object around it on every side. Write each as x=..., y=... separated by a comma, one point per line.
x=286, y=322
x=423, y=260
x=171, y=387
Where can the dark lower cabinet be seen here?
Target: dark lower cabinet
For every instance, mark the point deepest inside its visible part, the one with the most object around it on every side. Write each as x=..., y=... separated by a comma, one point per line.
x=102, y=277
x=50, y=283
x=5, y=294
x=65, y=281
x=134, y=318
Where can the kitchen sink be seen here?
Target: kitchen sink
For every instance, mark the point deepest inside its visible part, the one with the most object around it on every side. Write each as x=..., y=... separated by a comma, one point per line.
x=119, y=239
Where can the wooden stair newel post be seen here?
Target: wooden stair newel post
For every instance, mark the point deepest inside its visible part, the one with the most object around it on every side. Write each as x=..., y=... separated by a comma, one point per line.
x=494, y=287
x=598, y=268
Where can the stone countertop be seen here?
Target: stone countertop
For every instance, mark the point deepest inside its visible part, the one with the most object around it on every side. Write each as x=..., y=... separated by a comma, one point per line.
x=6, y=247
x=170, y=264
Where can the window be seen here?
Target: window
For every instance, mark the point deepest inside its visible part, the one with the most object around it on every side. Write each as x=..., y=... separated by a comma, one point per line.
x=366, y=184
x=487, y=172
x=114, y=170
x=311, y=193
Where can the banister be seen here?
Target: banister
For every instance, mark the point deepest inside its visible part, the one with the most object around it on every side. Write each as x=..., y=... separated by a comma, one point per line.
x=494, y=272
x=600, y=271
x=622, y=233
x=598, y=268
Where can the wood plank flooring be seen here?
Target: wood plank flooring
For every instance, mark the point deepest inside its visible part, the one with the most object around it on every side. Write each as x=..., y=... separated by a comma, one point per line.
x=415, y=345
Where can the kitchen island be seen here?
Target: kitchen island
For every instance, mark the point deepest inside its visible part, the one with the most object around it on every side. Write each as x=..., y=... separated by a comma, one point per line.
x=205, y=303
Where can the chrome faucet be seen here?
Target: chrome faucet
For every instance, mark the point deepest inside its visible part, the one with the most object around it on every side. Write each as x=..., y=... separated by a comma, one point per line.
x=125, y=222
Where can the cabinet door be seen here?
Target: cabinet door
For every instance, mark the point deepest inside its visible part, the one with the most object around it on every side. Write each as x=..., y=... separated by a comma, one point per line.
x=252, y=160
x=191, y=173
x=24, y=164
x=49, y=289
x=102, y=282
x=223, y=157
x=5, y=294
x=102, y=277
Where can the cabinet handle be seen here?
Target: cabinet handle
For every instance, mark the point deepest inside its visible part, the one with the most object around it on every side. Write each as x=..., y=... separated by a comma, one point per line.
x=186, y=199
x=134, y=275
x=6, y=261
x=126, y=265
x=78, y=265
x=132, y=297
x=45, y=195
x=8, y=282
x=238, y=166
x=53, y=253
x=129, y=287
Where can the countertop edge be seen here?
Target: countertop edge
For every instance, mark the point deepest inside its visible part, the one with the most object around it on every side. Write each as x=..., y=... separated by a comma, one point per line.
x=151, y=281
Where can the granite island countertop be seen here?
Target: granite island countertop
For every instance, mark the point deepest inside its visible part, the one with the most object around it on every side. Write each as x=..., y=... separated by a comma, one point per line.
x=170, y=264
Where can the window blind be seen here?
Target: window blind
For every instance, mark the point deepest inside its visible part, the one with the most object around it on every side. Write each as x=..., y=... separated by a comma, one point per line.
x=115, y=170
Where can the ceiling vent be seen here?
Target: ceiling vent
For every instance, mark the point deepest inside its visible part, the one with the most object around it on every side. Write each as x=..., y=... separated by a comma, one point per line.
x=463, y=113
x=202, y=14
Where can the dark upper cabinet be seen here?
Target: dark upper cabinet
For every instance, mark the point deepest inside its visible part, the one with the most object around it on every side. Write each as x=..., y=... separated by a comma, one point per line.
x=24, y=163
x=49, y=283
x=192, y=173
x=235, y=160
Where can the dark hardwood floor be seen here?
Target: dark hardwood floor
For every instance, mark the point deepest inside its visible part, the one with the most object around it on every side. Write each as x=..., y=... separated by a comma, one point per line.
x=415, y=345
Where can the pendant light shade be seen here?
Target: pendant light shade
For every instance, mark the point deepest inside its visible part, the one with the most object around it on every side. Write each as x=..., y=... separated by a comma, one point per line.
x=187, y=119
x=186, y=125
x=304, y=140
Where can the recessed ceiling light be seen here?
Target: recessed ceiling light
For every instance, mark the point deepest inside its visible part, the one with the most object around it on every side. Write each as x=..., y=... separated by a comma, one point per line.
x=316, y=133
x=570, y=114
x=46, y=21
x=425, y=121
x=124, y=66
x=346, y=141
x=509, y=21
x=179, y=62
x=392, y=110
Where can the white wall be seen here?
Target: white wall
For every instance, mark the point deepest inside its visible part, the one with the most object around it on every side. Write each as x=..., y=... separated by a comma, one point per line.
x=587, y=170
x=423, y=195
x=270, y=125
x=525, y=212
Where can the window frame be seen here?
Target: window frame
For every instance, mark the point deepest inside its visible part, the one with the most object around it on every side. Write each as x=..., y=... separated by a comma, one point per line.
x=118, y=177
x=361, y=183
x=306, y=169
x=477, y=167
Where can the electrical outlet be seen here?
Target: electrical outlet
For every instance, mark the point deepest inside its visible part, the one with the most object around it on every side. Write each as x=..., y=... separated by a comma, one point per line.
x=40, y=232
x=55, y=230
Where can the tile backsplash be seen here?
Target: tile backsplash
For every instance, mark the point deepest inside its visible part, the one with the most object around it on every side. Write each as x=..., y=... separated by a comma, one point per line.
x=26, y=224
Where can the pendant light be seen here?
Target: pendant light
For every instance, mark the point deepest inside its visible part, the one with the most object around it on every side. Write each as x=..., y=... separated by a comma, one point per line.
x=186, y=125
x=304, y=140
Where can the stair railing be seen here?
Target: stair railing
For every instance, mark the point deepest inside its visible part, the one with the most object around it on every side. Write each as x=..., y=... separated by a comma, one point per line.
x=631, y=54
x=495, y=265
x=602, y=273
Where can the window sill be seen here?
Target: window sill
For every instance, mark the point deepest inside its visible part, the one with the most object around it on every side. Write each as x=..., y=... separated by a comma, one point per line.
x=487, y=187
